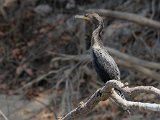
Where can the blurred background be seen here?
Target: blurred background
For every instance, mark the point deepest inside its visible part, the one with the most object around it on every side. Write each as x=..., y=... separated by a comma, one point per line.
x=44, y=67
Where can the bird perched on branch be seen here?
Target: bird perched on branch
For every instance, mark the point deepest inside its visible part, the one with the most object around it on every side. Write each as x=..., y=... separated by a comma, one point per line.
x=104, y=64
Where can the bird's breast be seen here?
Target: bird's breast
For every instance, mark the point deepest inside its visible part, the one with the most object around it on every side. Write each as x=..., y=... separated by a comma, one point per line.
x=105, y=65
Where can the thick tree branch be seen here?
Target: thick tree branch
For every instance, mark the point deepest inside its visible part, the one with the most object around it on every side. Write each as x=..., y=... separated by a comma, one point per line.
x=134, y=105
x=107, y=91
x=128, y=16
x=133, y=59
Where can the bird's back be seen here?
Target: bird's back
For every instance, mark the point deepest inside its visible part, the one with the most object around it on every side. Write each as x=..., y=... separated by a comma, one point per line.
x=105, y=65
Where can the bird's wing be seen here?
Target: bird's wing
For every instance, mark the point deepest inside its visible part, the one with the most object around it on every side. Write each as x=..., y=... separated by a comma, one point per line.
x=106, y=62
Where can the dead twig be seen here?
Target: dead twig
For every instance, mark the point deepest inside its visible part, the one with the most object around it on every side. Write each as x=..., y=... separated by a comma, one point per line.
x=127, y=16
x=107, y=91
x=36, y=80
x=3, y=115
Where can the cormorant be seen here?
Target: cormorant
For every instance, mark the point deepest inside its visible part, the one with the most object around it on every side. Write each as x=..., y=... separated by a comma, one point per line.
x=104, y=64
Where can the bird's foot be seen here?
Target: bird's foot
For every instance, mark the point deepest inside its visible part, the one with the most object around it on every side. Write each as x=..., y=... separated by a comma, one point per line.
x=99, y=93
x=127, y=111
x=125, y=84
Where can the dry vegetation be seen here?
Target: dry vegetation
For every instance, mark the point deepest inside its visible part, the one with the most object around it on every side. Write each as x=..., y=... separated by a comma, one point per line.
x=44, y=66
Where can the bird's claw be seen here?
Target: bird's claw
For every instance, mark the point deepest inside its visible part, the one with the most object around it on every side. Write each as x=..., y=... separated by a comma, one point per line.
x=125, y=84
x=99, y=93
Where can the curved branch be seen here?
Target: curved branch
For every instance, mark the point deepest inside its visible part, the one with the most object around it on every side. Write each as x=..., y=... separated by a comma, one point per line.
x=133, y=59
x=134, y=105
x=150, y=73
x=127, y=16
x=142, y=89
x=106, y=91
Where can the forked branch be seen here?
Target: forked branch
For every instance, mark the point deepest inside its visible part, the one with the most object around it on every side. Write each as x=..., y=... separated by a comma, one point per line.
x=107, y=92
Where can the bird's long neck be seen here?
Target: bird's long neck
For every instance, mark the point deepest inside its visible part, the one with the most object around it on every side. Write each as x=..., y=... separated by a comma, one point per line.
x=96, y=41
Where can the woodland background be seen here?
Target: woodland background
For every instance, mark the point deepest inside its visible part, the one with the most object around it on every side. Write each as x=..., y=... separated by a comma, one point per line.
x=43, y=74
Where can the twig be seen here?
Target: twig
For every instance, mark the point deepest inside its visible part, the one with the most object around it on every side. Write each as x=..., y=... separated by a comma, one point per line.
x=128, y=16
x=3, y=115
x=36, y=80
x=104, y=93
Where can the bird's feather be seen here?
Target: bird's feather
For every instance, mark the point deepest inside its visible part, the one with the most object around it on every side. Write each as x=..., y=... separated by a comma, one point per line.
x=104, y=65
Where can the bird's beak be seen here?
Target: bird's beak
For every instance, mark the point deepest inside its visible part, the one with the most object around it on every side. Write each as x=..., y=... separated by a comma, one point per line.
x=82, y=17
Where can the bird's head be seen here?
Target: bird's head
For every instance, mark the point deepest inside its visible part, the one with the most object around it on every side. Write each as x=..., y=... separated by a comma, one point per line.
x=97, y=27
x=94, y=18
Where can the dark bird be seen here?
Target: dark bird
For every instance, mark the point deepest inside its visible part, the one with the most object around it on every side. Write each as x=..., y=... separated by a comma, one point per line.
x=104, y=64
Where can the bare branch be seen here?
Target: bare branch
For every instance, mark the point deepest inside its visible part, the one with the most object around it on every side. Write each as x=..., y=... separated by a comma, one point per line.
x=150, y=73
x=3, y=115
x=128, y=16
x=142, y=89
x=134, y=105
x=107, y=91
x=36, y=80
x=133, y=59
x=85, y=108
